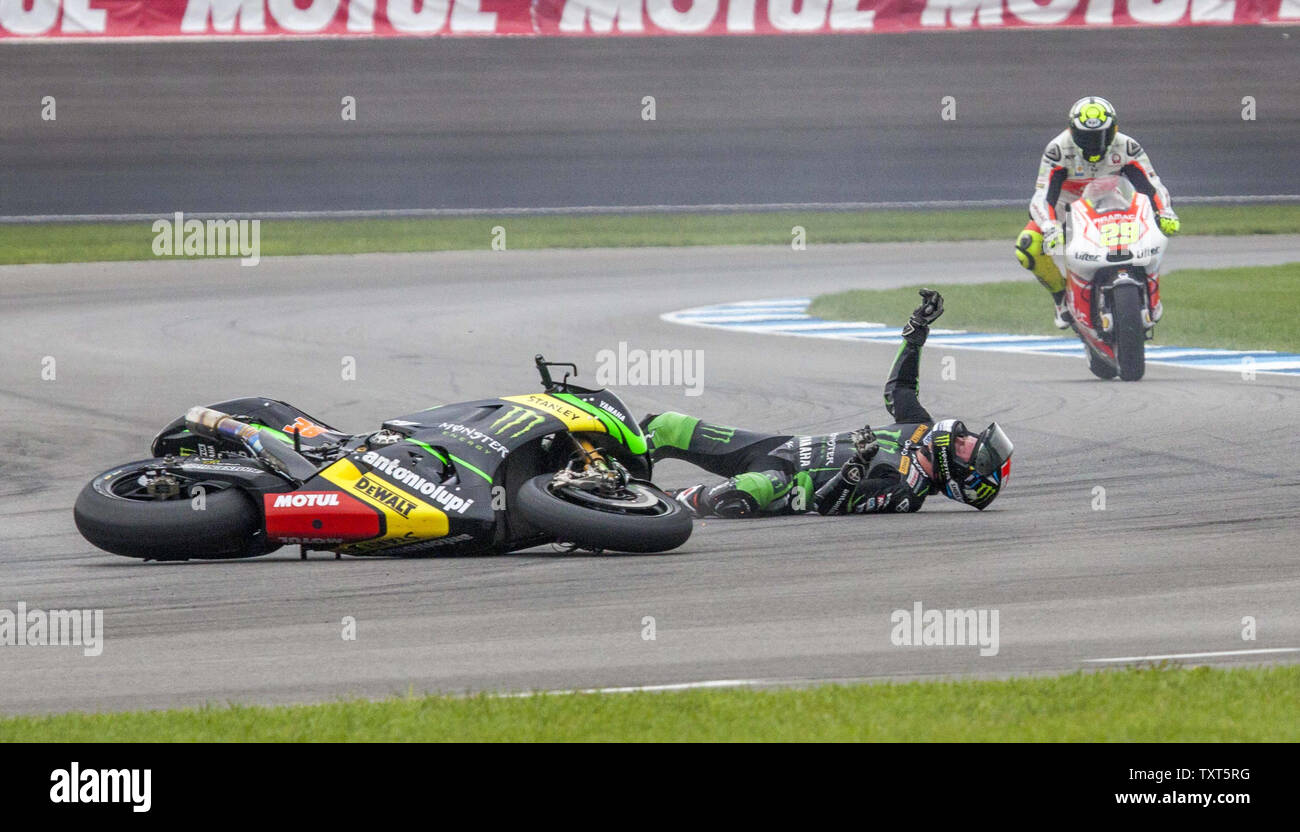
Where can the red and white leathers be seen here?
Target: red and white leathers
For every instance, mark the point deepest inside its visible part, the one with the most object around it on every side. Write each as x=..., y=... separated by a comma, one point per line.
x=1062, y=176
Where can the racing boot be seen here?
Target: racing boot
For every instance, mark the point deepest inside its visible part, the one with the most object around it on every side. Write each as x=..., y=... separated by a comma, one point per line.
x=729, y=499
x=1062, y=317
x=689, y=497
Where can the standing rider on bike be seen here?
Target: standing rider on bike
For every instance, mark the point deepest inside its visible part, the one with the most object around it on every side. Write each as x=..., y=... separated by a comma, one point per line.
x=1089, y=149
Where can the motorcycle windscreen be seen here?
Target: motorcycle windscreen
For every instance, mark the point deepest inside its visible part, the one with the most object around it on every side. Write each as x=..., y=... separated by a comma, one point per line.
x=1109, y=193
x=992, y=449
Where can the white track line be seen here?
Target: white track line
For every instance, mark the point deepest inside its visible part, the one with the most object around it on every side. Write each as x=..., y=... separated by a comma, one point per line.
x=714, y=208
x=1200, y=655
x=711, y=683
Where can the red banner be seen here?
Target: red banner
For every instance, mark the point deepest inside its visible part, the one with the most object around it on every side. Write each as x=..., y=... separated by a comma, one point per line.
x=45, y=19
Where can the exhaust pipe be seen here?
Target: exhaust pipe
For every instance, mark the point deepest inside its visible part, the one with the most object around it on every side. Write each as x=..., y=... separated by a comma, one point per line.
x=283, y=460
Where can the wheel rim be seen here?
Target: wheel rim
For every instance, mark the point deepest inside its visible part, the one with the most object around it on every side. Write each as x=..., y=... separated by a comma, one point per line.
x=133, y=485
x=629, y=500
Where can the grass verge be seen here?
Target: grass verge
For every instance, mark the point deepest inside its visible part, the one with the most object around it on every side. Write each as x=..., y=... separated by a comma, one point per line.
x=1137, y=705
x=69, y=243
x=1245, y=308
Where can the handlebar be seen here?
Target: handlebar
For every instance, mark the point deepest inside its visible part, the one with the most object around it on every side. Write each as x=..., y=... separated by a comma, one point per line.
x=543, y=368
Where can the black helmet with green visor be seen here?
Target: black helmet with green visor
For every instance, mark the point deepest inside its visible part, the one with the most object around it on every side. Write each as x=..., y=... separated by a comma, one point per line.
x=970, y=469
x=1093, y=126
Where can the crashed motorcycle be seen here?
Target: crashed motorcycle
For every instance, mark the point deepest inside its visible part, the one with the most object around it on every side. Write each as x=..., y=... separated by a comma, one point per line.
x=244, y=477
x=1113, y=251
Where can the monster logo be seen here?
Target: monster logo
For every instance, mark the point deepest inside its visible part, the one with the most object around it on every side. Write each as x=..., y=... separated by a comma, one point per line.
x=520, y=417
x=718, y=434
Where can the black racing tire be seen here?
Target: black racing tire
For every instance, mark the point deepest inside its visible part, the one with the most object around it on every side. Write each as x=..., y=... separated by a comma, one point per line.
x=594, y=528
x=229, y=526
x=1101, y=368
x=1130, y=332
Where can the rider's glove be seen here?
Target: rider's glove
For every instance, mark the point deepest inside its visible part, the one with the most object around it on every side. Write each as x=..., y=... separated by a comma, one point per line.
x=834, y=497
x=1053, y=237
x=865, y=444
x=918, y=326
x=1169, y=224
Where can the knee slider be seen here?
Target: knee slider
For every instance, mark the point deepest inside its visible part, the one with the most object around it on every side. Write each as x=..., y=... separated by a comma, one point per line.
x=1028, y=244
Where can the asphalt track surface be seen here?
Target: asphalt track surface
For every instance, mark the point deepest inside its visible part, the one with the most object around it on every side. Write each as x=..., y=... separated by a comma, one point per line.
x=1199, y=529
x=474, y=123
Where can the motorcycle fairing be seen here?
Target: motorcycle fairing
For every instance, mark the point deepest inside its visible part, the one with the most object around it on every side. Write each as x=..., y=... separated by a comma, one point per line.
x=1093, y=219
x=418, y=503
x=1123, y=244
x=321, y=518
x=611, y=412
x=404, y=510
x=430, y=493
x=479, y=435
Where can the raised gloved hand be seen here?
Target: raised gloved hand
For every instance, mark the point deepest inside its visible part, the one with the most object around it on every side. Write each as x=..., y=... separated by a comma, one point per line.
x=918, y=326
x=1053, y=238
x=1169, y=224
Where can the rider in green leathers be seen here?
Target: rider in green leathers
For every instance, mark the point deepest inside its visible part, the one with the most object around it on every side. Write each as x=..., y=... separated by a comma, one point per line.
x=891, y=468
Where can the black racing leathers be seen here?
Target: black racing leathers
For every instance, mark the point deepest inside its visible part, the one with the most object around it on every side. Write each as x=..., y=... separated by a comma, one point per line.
x=783, y=474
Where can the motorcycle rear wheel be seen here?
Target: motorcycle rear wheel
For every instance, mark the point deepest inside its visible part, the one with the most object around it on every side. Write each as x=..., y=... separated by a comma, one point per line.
x=114, y=514
x=650, y=520
x=1101, y=368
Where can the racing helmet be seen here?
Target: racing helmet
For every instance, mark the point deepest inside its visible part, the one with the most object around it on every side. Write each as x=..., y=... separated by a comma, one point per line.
x=1093, y=125
x=974, y=476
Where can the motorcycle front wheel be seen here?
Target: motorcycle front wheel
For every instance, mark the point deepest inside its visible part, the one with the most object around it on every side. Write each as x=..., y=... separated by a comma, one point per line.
x=1130, y=332
x=640, y=519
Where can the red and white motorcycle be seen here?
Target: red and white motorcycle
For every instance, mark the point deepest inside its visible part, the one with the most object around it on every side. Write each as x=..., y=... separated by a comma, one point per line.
x=1112, y=260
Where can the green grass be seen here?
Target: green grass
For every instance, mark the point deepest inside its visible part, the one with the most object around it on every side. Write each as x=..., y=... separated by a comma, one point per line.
x=67, y=243
x=1136, y=705
x=1245, y=308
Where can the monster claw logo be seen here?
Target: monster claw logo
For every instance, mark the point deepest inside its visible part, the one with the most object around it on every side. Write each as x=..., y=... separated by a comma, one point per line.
x=716, y=433
x=520, y=417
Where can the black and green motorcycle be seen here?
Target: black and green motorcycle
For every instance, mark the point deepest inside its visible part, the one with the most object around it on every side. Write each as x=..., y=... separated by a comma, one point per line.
x=244, y=477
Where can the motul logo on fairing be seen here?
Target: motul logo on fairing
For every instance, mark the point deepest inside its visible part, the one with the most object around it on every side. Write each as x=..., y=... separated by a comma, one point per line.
x=302, y=500
x=390, y=467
